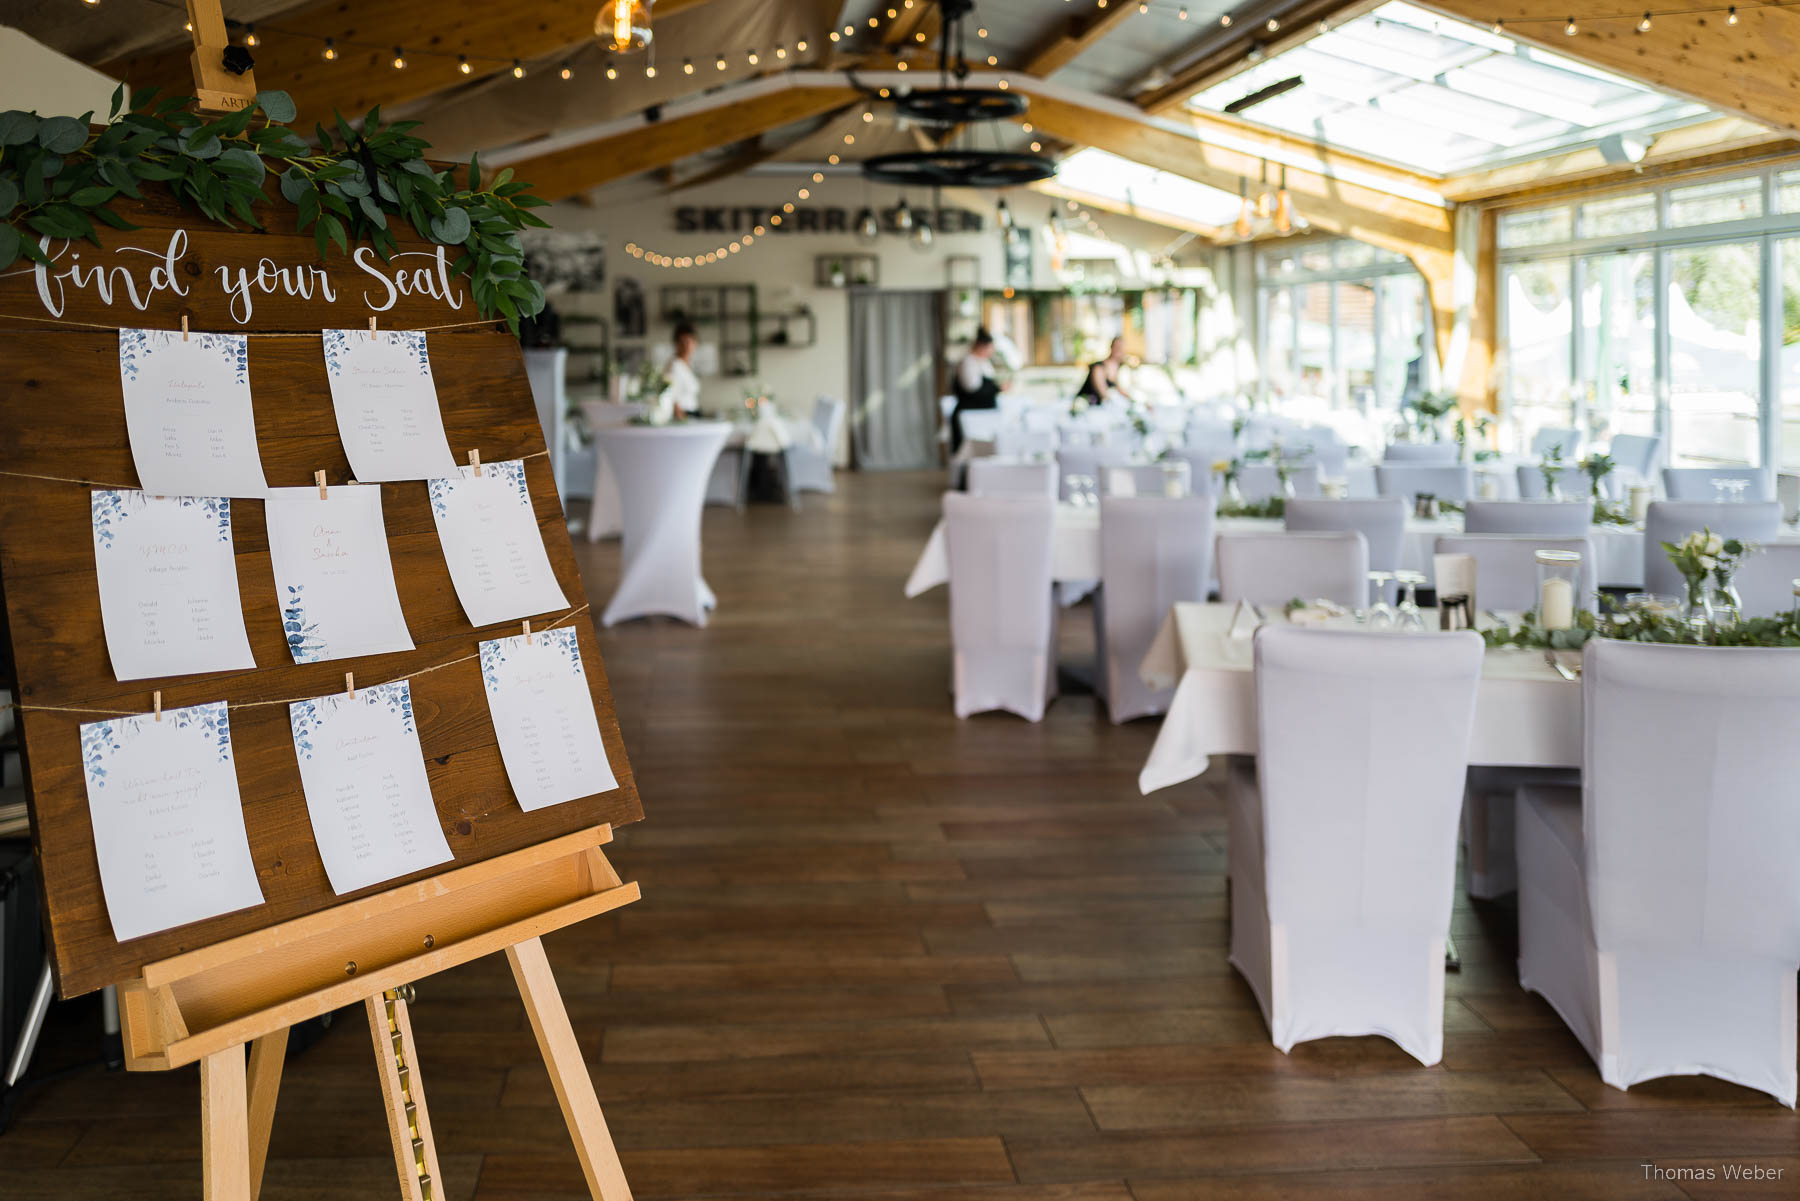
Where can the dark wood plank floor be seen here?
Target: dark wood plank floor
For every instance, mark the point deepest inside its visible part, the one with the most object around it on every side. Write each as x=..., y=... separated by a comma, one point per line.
x=888, y=955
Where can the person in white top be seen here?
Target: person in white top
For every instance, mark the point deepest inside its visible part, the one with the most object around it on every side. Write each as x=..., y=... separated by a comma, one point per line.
x=682, y=397
x=975, y=385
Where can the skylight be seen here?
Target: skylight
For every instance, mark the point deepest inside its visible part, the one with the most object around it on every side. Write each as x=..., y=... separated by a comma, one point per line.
x=1437, y=95
x=1144, y=189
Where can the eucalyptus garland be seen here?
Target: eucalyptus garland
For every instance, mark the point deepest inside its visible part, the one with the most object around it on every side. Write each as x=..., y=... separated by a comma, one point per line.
x=1642, y=624
x=58, y=178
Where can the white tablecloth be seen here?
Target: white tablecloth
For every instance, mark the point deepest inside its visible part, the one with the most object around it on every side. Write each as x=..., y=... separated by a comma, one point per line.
x=1618, y=550
x=1525, y=716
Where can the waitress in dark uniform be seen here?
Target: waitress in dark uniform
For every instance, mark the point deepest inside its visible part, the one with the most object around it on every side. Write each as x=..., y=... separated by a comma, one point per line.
x=975, y=385
x=1102, y=379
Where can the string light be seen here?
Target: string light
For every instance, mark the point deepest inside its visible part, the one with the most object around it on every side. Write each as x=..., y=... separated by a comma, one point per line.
x=781, y=52
x=751, y=58
x=800, y=46
x=399, y=59
x=329, y=54
x=649, y=70
x=1731, y=15
x=720, y=64
x=687, y=66
x=1643, y=25
x=566, y=73
x=462, y=64
x=518, y=69
x=1225, y=21
x=250, y=38
x=1570, y=27
x=612, y=71
x=1272, y=25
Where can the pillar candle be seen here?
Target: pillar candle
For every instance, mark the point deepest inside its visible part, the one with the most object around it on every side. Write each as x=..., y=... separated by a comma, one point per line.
x=1556, y=604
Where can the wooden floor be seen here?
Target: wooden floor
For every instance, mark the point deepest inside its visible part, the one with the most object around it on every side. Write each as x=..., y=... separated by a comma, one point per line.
x=889, y=955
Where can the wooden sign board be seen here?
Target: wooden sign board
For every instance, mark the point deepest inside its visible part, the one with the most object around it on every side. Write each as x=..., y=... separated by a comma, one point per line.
x=62, y=415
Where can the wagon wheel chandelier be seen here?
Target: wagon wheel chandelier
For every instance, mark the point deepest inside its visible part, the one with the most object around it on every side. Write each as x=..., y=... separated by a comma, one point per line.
x=953, y=105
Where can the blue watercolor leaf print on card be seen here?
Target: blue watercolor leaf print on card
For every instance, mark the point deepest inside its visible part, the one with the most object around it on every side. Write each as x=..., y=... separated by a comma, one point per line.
x=134, y=344
x=213, y=720
x=304, y=718
x=109, y=513
x=440, y=496
x=414, y=342
x=493, y=657
x=564, y=640
x=304, y=640
x=99, y=743
x=337, y=344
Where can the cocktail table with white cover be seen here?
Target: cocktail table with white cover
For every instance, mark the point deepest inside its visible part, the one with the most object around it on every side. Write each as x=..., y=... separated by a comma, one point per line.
x=1526, y=715
x=662, y=473
x=603, y=510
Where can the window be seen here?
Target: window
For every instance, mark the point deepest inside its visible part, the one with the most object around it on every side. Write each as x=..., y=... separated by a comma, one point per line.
x=1400, y=347
x=1313, y=324
x=1278, y=335
x=1618, y=343
x=1537, y=228
x=1788, y=433
x=1539, y=316
x=1634, y=214
x=1712, y=203
x=1715, y=354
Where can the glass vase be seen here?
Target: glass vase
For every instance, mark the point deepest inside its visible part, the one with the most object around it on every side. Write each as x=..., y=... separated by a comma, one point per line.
x=1727, y=606
x=1699, y=610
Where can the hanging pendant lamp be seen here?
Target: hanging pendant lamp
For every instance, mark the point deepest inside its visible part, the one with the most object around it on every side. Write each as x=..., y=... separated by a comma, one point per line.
x=623, y=26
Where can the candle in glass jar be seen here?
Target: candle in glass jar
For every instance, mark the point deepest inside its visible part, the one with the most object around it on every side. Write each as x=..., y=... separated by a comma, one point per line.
x=1556, y=603
x=1641, y=495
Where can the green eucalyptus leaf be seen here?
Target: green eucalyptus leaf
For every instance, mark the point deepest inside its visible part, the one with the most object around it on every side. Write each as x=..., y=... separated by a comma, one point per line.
x=113, y=219
x=9, y=246
x=17, y=128
x=277, y=106
x=452, y=228
x=118, y=102
x=201, y=145
x=61, y=135
x=9, y=195
x=92, y=197
x=245, y=162
x=294, y=185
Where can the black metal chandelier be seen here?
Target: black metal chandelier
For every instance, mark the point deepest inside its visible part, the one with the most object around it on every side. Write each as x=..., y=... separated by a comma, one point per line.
x=953, y=106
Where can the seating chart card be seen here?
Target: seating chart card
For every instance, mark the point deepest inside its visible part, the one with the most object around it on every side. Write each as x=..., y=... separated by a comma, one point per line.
x=333, y=575
x=188, y=414
x=387, y=405
x=364, y=778
x=168, y=585
x=168, y=823
x=491, y=542
x=537, y=692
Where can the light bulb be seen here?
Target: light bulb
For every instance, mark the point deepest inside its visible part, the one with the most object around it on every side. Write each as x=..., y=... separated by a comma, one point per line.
x=835, y=35
x=922, y=236
x=903, y=216
x=1225, y=20
x=566, y=73
x=868, y=229
x=462, y=64
x=832, y=159
x=751, y=58
x=399, y=59
x=1643, y=25
x=818, y=177
x=1731, y=15
x=800, y=46
x=1272, y=25
x=329, y=54
x=612, y=72
x=518, y=69
x=250, y=38
x=649, y=71
x=687, y=66
x=1182, y=15
x=867, y=116
x=804, y=194
x=982, y=32
x=1499, y=27
x=1570, y=27
x=720, y=64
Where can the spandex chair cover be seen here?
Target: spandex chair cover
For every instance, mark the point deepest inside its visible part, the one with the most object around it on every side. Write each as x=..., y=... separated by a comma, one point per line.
x=1696, y=483
x=1091, y=461
x=809, y=456
x=1766, y=580
x=1565, y=442
x=1506, y=567
x=1421, y=452
x=1275, y=567
x=1155, y=552
x=1671, y=521
x=662, y=473
x=1547, y=518
x=1406, y=480
x=1659, y=907
x=1260, y=481
x=1002, y=611
x=1200, y=462
x=991, y=477
x=1382, y=522
x=1140, y=479
x=1634, y=456
x=1343, y=831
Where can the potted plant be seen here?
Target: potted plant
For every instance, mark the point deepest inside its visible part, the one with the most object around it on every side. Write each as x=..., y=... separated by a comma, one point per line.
x=836, y=272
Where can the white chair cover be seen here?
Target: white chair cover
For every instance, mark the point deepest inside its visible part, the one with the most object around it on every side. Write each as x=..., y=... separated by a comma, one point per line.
x=1002, y=613
x=1320, y=444
x=1549, y=518
x=1264, y=430
x=1155, y=552
x=1421, y=452
x=1531, y=481
x=1382, y=522
x=994, y=477
x=1671, y=521
x=662, y=473
x=1018, y=442
x=1506, y=567
x=980, y=425
x=1659, y=913
x=1089, y=461
x=1259, y=481
x=1342, y=846
x=1696, y=483
x=1564, y=440
x=1275, y=567
x=1200, y=468
x=1139, y=479
x=1766, y=580
x=1406, y=480
x=603, y=513
x=809, y=458
x=1634, y=456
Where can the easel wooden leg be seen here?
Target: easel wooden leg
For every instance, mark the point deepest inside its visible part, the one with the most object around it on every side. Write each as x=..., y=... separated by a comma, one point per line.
x=568, y=1073
x=409, y=1124
x=224, y=1127
x=267, y=1055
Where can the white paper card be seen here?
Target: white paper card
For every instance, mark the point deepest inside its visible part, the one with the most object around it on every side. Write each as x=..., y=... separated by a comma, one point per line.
x=1455, y=576
x=333, y=575
x=386, y=405
x=491, y=542
x=188, y=414
x=168, y=824
x=168, y=585
x=543, y=714
x=364, y=778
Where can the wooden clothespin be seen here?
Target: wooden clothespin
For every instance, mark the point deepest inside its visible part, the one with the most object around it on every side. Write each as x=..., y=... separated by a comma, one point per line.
x=527, y=626
x=319, y=479
x=475, y=462
x=371, y=327
x=156, y=703
x=350, y=684
x=184, y=328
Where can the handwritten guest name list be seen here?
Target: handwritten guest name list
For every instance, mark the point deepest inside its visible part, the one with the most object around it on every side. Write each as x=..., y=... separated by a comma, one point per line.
x=491, y=542
x=543, y=713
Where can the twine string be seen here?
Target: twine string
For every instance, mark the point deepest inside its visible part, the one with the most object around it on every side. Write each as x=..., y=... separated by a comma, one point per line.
x=85, y=483
x=411, y=329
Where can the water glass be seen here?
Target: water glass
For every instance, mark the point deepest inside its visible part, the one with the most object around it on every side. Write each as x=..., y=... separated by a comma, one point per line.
x=1381, y=614
x=1410, y=618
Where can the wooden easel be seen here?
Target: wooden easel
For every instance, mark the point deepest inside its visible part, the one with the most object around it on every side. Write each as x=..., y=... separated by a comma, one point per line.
x=206, y=1005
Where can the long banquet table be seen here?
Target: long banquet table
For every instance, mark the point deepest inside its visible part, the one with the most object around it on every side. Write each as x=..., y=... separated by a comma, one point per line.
x=1618, y=550
x=1526, y=714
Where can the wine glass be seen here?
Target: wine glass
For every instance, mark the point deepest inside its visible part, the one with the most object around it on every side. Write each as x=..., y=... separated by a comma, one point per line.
x=1721, y=489
x=1411, y=619
x=1737, y=489
x=1381, y=614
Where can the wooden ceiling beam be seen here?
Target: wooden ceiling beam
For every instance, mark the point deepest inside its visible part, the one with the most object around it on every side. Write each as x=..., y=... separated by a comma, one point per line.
x=1748, y=68
x=362, y=76
x=1075, y=35
x=562, y=173
x=1106, y=204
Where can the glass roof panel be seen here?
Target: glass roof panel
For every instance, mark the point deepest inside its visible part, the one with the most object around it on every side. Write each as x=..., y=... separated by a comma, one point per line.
x=1441, y=96
x=1097, y=173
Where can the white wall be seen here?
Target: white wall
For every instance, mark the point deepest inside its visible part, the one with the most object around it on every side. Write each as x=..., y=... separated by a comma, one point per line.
x=39, y=79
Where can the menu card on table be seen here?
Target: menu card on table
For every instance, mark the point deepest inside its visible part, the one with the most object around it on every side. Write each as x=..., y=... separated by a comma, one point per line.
x=537, y=692
x=333, y=575
x=387, y=405
x=187, y=411
x=168, y=585
x=491, y=542
x=168, y=824
x=364, y=778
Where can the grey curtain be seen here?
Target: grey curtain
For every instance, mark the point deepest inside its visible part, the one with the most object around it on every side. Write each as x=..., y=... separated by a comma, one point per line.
x=894, y=374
